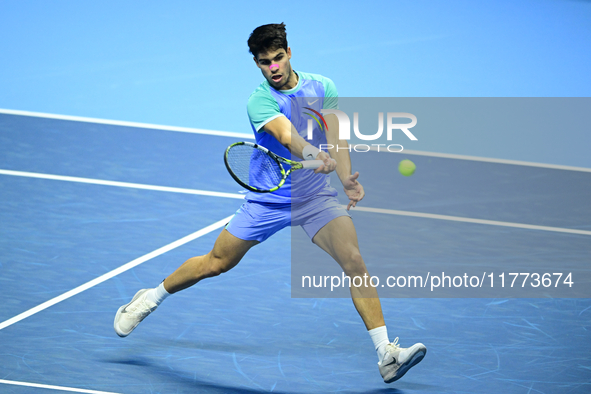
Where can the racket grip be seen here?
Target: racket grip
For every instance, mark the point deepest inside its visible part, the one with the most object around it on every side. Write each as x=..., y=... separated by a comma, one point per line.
x=311, y=164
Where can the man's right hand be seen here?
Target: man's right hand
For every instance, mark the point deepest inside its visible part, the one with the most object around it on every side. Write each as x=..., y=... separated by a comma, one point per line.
x=329, y=166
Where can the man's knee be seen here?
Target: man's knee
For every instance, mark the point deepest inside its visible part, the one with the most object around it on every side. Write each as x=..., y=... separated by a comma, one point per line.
x=219, y=263
x=353, y=264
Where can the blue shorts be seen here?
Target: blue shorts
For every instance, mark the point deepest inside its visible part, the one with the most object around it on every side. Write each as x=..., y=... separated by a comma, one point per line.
x=259, y=220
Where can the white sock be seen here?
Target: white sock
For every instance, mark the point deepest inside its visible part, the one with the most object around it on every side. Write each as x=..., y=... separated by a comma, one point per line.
x=379, y=336
x=158, y=294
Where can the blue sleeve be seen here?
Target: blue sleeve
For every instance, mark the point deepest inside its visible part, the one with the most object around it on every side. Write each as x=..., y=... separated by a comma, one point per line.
x=331, y=96
x=262, y=108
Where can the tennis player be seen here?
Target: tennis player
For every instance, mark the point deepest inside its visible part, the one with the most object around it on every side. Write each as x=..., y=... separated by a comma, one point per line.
x=274, y=109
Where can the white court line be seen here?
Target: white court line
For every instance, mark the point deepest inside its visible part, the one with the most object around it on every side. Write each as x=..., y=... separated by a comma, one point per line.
x=50, y=387
x=250, y=136
x=470, y=220
x=127, y=124
x=115, y=272
x=240, y=196
x=121, y=184
x=485, y=159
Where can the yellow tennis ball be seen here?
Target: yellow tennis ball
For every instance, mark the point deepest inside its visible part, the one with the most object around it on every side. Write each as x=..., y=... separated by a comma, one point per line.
x=407, y=167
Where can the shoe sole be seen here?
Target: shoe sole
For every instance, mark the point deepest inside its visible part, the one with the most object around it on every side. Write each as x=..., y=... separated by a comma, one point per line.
x=416, y=358
x=121, y=309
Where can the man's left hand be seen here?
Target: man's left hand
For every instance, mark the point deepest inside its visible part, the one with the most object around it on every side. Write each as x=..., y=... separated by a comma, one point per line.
x=353, y=190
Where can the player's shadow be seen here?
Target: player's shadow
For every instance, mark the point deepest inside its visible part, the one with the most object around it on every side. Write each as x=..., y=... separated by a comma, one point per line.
x=216, y=346
x=194, y=384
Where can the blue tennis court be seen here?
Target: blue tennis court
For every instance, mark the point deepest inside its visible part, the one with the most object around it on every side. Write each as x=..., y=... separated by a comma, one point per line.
x=93, y=212
x=111, y=176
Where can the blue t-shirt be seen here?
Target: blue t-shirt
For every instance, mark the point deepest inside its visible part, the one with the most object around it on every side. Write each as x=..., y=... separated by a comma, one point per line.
x=300, y=104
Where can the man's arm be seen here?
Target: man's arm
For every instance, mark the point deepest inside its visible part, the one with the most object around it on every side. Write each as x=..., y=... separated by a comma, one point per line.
x=282, y=129
x=340, y=150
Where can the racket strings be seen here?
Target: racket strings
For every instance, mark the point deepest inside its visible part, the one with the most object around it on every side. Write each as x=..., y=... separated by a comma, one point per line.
x=254, y=167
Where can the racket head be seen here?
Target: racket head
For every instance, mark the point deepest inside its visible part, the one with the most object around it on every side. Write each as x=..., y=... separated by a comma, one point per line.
x=254, y=167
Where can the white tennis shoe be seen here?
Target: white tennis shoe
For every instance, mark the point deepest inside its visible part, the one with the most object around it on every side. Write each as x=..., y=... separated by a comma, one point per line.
x=397, y=361
x=130, y=315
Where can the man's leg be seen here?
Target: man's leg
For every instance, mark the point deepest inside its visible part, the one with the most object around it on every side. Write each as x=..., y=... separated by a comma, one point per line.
x=339, y=239
x=225, y=255
x=227, y=251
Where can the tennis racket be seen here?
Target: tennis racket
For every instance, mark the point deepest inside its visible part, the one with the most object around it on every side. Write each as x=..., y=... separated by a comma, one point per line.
x=259, y=170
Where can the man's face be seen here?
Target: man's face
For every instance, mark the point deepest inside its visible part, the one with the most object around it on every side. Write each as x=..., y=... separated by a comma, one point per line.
x=276, y=68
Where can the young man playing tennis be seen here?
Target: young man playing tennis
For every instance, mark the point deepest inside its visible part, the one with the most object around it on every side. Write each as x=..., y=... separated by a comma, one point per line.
x=273, y=112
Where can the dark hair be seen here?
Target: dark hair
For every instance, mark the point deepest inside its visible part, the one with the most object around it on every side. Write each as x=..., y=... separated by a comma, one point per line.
x=267, y=38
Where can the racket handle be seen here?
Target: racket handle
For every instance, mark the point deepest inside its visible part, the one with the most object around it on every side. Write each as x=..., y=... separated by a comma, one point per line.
x=311, y=164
